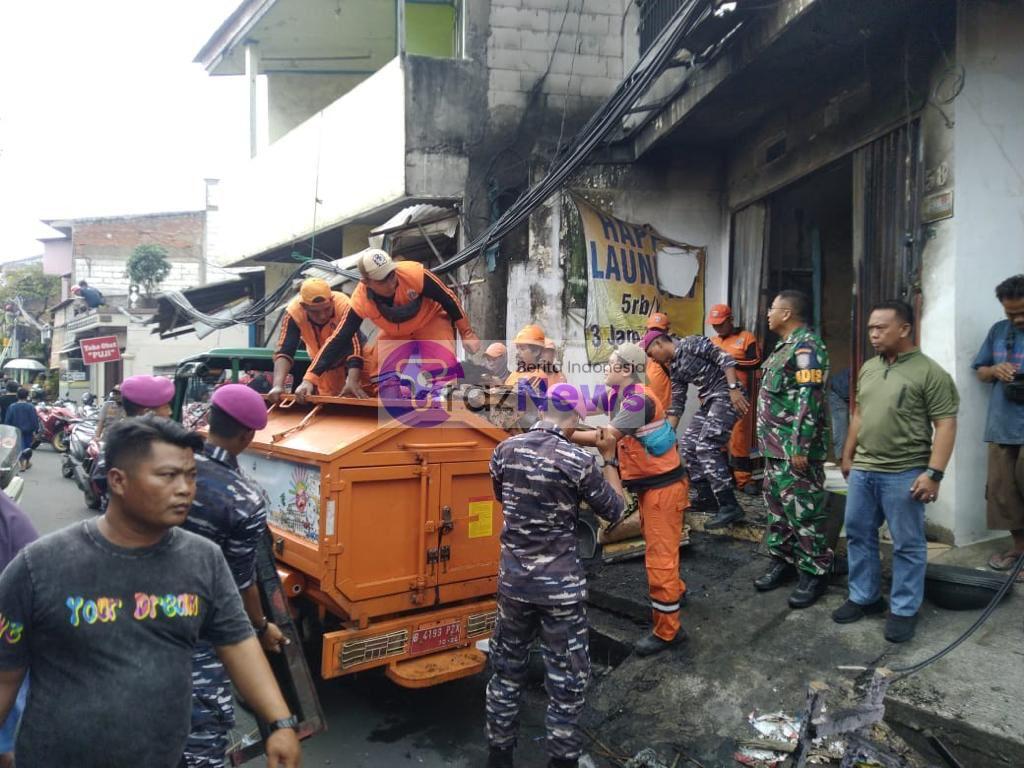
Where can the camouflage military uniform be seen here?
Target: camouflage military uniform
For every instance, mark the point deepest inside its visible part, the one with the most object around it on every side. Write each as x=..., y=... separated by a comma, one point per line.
x=229, y=510
x=791, y=422
x=699, y=362
x=541, y=478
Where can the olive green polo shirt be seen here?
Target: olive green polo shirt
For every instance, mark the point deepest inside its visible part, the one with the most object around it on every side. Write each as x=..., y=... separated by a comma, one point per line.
x=897, y=404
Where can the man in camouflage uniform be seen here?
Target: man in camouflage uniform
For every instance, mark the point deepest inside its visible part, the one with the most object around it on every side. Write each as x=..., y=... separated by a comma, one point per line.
x=696, y=360
x=540, y=478
x=793, y=434
x=230, y=510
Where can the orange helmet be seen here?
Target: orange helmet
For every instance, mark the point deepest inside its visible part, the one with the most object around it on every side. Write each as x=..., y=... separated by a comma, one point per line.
x=658, y=321
x=531, y=334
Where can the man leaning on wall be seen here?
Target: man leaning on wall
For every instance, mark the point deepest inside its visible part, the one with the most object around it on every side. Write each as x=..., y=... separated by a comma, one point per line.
x=999, y=363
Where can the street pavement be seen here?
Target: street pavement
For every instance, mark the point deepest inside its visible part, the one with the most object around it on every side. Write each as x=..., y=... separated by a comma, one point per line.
x=371, y=721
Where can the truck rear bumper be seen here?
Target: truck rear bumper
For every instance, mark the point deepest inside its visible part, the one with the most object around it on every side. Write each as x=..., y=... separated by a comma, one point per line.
x=433, y=636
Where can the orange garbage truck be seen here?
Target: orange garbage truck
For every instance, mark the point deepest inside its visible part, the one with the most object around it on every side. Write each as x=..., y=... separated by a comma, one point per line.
x=384, y=530
x=385, y=533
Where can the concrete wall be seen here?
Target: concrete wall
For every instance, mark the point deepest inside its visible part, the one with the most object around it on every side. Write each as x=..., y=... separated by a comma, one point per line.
x=293, y=99
x=144, y=350
x=56, y=257
x=101, y=248
x=578, y=44
x=679, y=194
x=988, y=173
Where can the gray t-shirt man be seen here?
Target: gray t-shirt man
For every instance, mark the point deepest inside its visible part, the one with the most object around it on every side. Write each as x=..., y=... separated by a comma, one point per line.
x=107, y=635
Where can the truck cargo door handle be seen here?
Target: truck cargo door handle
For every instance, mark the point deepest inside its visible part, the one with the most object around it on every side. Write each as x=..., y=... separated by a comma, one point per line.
x=446, y=520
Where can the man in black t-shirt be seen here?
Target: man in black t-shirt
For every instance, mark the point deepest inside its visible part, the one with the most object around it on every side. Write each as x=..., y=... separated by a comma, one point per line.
x=105, y=615
x=8, y=398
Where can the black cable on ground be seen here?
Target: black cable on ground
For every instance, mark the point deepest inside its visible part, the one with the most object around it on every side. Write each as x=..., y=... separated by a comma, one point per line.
x=989, y=610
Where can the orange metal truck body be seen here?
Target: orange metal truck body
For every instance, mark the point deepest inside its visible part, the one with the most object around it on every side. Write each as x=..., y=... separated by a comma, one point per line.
x=391, y=527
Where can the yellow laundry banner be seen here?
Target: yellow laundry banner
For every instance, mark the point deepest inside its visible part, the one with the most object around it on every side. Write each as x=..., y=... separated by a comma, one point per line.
x=633, y=271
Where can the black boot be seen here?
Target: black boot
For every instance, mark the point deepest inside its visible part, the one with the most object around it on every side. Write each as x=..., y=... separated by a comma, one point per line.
x=653, y=644
x=808, y=590
x=729, y=511
x=500, y=758
x=703, y=497
x=562, y=762
x=778, y=573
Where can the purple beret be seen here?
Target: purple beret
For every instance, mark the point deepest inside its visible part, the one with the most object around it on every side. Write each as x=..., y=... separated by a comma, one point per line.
x=650, y=336
x=148, y=391
x=243, y=404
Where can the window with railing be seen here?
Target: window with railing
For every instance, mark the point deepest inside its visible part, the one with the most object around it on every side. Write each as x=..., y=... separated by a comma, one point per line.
x=654, y=17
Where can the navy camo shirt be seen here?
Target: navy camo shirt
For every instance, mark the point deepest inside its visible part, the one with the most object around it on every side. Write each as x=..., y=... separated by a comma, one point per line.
x=699, y=362
x=540, y=478
x=229, y=510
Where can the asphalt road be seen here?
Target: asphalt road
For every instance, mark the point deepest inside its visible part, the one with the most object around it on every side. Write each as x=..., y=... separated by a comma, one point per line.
x=371, y=721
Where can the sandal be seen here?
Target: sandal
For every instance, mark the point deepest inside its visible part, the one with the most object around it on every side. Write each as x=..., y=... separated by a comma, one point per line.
x=1004, y=561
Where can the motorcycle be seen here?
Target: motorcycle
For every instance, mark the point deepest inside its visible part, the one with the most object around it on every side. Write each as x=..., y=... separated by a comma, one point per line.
x=54, y=419
x=10, y=449
x=83, y=453
x=80, y=434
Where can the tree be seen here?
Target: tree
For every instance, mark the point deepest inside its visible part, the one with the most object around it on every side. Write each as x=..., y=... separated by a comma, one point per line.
x=148, y=267
x=38, y=292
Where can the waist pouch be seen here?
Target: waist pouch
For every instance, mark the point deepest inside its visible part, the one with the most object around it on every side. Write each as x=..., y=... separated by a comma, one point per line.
x=1015, y=390
x=657, y=438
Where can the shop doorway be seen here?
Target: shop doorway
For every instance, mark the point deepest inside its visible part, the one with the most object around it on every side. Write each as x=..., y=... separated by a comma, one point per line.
x=810, y=248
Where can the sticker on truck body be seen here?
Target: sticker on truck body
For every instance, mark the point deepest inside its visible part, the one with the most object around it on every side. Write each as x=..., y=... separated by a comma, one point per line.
x=293, y=491
x=481, y=518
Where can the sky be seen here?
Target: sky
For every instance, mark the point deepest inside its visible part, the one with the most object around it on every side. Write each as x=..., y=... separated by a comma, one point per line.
x=103, y=112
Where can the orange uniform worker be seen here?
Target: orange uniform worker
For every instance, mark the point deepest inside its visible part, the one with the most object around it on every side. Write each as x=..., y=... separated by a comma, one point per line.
x=407, y=302
x=496, y=364
x=650, y=467
x=658, y=382
x=742, y=347
x=311, y=318
x=551, y=365
x=530, y=359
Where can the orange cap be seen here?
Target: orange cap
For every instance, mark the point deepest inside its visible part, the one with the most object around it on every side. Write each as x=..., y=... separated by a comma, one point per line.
x=531, y=334
x=314, y=290
x=719, y=314
x=497, y=349
x=658, y=321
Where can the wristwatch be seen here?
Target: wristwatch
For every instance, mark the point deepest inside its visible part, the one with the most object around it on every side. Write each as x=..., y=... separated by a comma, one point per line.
x=935, y=474
x=735, y=385
x=261, y=628
x=292, y=721
x=612, y=462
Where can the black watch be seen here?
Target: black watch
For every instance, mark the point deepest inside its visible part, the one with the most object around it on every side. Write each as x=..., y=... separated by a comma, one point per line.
x=291, y=721
x=261, y=629
x=613, y=462
x=935, y=474
x=735, y=385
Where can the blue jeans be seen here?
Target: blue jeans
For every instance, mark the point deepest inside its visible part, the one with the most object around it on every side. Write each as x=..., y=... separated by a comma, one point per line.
x=871, y=498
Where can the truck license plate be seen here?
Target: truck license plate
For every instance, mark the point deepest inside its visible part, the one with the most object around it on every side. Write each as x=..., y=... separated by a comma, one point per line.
x=435, y=638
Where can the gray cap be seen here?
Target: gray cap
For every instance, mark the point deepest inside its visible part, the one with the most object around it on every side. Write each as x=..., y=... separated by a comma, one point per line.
x=631, y=354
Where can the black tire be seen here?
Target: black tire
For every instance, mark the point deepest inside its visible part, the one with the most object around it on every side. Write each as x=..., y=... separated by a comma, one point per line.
x=67, y=469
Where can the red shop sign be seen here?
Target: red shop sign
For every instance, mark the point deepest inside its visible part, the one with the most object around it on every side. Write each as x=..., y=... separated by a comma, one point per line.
x=102, y=349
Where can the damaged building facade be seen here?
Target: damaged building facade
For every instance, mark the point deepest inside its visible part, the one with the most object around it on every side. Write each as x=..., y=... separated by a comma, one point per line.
x=856, y=151
x=411, y=122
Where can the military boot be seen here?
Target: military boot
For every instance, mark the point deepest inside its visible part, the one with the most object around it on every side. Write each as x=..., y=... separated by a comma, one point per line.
x=777, y=574
x=729, y=511
x=703, y=497
x=808, y=590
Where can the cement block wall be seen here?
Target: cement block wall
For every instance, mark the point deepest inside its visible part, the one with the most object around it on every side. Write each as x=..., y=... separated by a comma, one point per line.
x=574, y=45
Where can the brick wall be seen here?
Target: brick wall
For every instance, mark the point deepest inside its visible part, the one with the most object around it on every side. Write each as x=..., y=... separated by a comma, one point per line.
x=101, y=248
x=584, y=62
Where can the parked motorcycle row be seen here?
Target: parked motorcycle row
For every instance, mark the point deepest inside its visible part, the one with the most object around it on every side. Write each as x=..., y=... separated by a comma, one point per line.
x=70, y=428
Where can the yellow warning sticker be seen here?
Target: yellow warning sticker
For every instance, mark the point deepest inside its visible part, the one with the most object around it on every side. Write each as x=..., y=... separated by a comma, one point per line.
x=481, y=519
